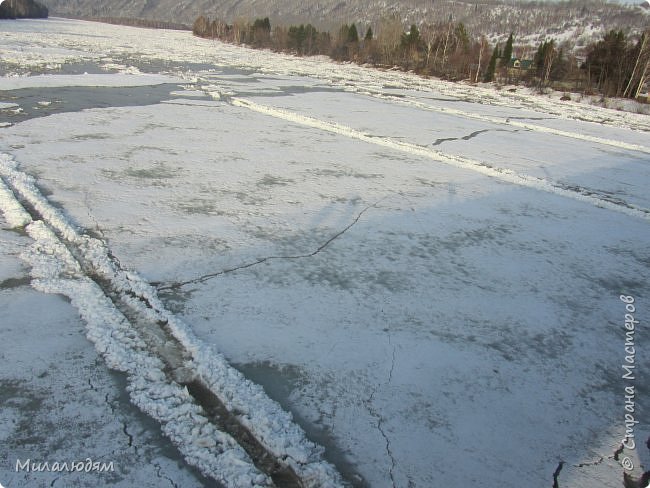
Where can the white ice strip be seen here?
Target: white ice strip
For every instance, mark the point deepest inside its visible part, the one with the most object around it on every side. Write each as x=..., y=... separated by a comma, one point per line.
x=214, y=453
x=187, y=93
x=273, y=427
x=26, y=187
x=48, y=257
x=503, y=174
x=513, y=123
x=189, y=102
x=13, y=211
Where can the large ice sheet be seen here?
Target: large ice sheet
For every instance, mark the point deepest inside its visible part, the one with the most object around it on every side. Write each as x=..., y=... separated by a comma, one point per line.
x=452, y=311
x=609, y=168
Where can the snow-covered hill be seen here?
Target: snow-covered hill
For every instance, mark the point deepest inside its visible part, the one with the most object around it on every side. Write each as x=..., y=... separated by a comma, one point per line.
x=490, y=17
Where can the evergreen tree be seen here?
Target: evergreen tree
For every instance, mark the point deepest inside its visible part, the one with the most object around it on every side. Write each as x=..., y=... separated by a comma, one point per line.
x=353, y=35
x=260, y=32
x=347, y=43
x=310, y=39
x=560, y=67
x=507, y=51
x=606, y=62
x=262, y=24
x=411, y=38
x=368, y=34
x=297, y=37
x=492, y=66
x=344, y=34
x=462, y=37
x=539, y=57
x=545, y=59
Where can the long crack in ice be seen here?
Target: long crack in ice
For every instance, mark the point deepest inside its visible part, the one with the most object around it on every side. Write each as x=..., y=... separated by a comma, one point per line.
x=209, y=276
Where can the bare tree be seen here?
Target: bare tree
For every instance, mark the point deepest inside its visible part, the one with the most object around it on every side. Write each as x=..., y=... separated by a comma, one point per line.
x=444, y=51
x=429, y=36
x=389, y=38
x=637, y=79
x=482, y=47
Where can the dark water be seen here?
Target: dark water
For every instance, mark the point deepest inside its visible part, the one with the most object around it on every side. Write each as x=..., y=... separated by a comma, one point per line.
x=279, y=383
x=73, y=68
x=77, y=98
x=74, y=99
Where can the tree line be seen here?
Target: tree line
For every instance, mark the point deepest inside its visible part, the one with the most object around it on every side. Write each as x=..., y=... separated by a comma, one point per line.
x=616, y=65
x=22, y=9
x=134, y=22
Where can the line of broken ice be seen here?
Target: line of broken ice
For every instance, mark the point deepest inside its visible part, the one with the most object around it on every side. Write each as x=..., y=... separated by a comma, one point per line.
x=55, y=270
x=513, y=123
x=268, y=422
x=451, y=159
x=14, y=212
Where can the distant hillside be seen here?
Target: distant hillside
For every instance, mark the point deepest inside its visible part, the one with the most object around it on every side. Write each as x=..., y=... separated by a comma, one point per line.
x=22, y=9
x=493, y=18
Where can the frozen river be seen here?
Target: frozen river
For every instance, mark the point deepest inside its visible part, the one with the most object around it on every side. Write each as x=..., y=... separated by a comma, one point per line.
x=436, y=285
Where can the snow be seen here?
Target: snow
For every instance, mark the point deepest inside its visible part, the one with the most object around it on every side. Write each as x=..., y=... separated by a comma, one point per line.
x=14, y=213
x=59, y=403
x=456, y=160
x=188, y=93
x=51, y=262
x=55, y=270
x=424, y=274
x=82, y=41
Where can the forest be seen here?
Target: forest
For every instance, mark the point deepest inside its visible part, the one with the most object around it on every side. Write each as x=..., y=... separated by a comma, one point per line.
x=615, y=66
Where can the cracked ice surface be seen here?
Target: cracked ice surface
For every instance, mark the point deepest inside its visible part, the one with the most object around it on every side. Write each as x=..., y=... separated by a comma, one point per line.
x=60, y=403
x=458, y=330
x=490, y=294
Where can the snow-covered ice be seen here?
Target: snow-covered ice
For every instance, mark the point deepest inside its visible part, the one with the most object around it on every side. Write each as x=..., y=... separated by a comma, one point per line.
x=59, y=402
x=426, y=275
